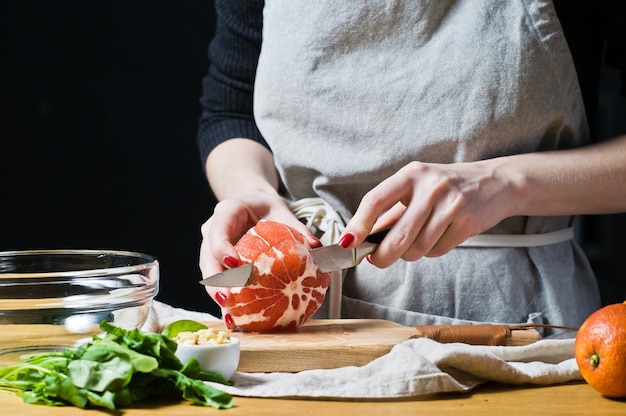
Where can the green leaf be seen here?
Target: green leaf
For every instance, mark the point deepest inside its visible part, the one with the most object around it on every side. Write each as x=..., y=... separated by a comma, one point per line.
x=105, y=350
x=183, y=325
x=107, y=399
x=62, y=387
x=197, y=392
x=32, y=397
x=155, y=345
x=193, y=370
x=101, y=376
x=117, y=369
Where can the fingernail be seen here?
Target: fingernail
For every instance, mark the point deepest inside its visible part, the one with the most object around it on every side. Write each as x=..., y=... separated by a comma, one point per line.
x=231, y=261
x=220, y=298
x=368, y=258
x=228, y=320
x=315, y=242
x=346, y=240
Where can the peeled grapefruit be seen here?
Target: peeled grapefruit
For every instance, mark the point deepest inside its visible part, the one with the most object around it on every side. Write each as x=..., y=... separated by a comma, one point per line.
x=600, y=350
x=285, y=288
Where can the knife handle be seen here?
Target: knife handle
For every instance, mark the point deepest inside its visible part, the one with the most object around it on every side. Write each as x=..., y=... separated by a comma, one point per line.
x=369, y=245
x=377, y=237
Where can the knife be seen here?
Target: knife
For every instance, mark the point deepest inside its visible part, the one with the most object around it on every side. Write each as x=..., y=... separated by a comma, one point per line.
x=327, y=259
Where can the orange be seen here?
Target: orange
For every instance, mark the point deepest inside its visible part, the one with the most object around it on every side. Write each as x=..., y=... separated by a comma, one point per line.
x=600, y=350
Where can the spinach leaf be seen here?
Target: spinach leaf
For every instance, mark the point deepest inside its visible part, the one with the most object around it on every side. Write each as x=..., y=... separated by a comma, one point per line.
x=116, y=370
x=106, y=350
x=196, y=391
x=193, y=370
x=101, y=376
x=154, y=345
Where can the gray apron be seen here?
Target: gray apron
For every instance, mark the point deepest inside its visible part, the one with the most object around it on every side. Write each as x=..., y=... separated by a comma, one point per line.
x=349, y=92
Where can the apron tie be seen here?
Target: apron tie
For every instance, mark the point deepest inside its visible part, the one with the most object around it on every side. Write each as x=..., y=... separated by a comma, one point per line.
x=326, y=223
x=519, y=240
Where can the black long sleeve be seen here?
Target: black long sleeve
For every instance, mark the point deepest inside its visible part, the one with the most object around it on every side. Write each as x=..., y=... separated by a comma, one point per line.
x=228, y=88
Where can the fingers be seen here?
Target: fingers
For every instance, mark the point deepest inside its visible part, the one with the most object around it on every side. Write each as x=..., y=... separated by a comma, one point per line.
x=221, y=296
x=451, y=238
x=439, y=231
x=216, y=250
x=438, y=237
x=391, y=202
x=380, y=207
x=432, y=210
x=389, y=217
x=228, y=223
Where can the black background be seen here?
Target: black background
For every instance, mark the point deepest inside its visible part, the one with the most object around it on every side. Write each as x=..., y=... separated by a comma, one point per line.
x=100, y=108
x=99, y=117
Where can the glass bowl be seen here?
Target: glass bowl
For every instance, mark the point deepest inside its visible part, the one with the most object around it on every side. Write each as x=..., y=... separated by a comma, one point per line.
x=51, y=299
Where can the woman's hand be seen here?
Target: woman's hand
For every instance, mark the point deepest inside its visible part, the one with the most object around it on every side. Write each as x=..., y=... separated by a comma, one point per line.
x=243, y=178
x=432, y=207
x=435, y=207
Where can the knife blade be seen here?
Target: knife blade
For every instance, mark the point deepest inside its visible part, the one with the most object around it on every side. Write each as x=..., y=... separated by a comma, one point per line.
x=235, y=277
x=328, y=259
x=335, y=257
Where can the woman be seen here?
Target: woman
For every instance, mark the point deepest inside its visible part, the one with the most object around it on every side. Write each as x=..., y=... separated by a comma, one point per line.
x=462, y=124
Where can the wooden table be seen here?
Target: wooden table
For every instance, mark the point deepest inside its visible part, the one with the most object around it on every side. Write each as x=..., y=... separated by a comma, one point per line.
x=569, y=399
x=497, y=399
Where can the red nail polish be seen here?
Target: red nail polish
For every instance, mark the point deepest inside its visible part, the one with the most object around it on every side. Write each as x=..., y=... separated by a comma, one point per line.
x=220, y=298
x=231, y=261
x=316, y=243
x=228, y=320
x=368, y=258
x=346, y=240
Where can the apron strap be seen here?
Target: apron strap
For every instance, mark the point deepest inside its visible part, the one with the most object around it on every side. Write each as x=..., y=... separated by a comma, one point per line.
x=326, y=223
x=519, y=240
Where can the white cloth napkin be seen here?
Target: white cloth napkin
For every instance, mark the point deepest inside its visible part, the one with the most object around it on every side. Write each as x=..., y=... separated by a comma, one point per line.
x=161, y=314
x=413, y=368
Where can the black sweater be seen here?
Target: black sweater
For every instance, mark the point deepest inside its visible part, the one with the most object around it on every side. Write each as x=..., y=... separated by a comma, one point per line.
x=589, y=28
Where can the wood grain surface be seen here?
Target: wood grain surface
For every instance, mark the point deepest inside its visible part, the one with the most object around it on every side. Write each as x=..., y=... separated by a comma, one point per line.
x=328, y=343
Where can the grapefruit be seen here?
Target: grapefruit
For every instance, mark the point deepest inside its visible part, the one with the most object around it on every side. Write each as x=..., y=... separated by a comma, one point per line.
x=600, y=350
x=285, y=288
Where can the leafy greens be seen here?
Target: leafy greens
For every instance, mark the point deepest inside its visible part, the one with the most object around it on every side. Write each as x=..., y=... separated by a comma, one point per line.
x=116, y=370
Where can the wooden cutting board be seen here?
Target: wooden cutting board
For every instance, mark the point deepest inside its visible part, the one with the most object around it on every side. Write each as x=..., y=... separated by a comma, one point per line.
x=330, y=343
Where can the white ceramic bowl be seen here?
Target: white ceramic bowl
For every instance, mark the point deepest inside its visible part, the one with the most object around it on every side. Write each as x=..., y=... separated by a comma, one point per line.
x=217, y=358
